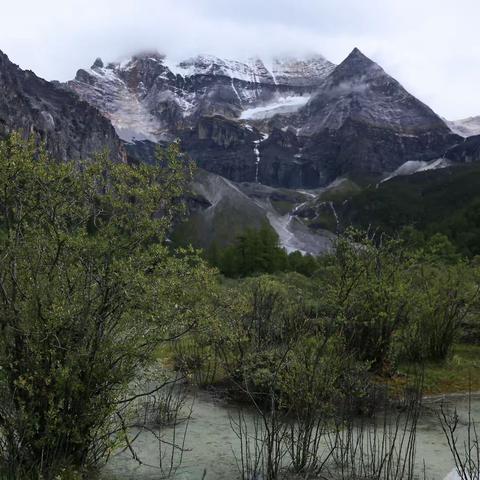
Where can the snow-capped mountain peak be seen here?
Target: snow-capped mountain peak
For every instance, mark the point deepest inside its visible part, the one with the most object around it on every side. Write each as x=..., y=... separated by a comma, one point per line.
x=360, y=90
x=149, y=96
x=252, y=71
x=305, y=119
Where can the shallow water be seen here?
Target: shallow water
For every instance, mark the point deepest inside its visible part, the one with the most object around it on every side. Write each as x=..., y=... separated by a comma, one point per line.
x=209, y=446
x=210, y=442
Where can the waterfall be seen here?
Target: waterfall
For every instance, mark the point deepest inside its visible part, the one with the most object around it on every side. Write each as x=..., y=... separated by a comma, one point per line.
x=234, y=88
x=332, y=206
x=256, y=151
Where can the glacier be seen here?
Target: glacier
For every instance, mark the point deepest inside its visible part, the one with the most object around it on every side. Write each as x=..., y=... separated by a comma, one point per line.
x=281, y=105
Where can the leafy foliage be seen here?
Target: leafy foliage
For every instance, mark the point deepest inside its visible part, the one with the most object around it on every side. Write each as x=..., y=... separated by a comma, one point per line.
x=439, y=302
x=392, y=301
x=366, y=295
x=87, y=292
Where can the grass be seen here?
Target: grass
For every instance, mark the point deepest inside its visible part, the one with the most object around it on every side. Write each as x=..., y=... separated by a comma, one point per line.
x=460, y=373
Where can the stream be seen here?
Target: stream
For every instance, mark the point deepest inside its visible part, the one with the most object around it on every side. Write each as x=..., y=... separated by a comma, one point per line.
x=209, y=444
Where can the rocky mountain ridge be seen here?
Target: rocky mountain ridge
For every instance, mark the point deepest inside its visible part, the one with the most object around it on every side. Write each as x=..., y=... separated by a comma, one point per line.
x=361, y=121
x=147, y=97
x=272, y=139
x=71, y=128
x=288, y=123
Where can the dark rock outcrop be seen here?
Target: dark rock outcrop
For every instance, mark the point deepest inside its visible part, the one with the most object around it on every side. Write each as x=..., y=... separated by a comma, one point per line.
x=467, y=151
x=222, y=146
x=71, y=128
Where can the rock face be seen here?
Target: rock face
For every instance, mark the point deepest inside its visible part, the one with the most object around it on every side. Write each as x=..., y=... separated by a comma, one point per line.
x=285, y=123
x=465, y=152
x=362, y=121
x=71, y=128
x=223, y=146
x=150, y=98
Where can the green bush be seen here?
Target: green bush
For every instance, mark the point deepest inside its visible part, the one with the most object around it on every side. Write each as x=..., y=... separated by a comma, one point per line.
x=365, y=296
x=441, y=297
x=88, y=290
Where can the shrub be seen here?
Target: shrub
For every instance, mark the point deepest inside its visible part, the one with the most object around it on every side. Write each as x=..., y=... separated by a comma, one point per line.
x=364, y=294
x=87, y=292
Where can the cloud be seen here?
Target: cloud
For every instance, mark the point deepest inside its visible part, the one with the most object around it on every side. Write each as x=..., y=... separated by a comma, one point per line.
x=430, y=46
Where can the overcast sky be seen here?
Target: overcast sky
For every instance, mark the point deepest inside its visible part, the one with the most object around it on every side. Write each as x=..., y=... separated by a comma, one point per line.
x=431, y=46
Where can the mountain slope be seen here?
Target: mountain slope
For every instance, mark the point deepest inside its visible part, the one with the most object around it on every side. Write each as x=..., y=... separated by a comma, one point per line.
x=220, y=211
x=72, y=129
x=362, y=121
x=149, y=97
x=288, y=123
x=446, y=201
x=360, y=90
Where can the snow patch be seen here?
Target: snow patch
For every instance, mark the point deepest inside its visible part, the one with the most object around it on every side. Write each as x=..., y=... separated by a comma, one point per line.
x=280, y=105
x=436, y=164
x=467, y=127
x=211, y=65
x=414, y=166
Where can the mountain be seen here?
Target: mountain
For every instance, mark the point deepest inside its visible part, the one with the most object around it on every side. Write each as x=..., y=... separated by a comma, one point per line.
x=467, y=127
x=75, y=129
x=288, y=123
x=217, y=107
x=71, y=128
x=295, y=142
x=363, y=122
x=147, y=97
